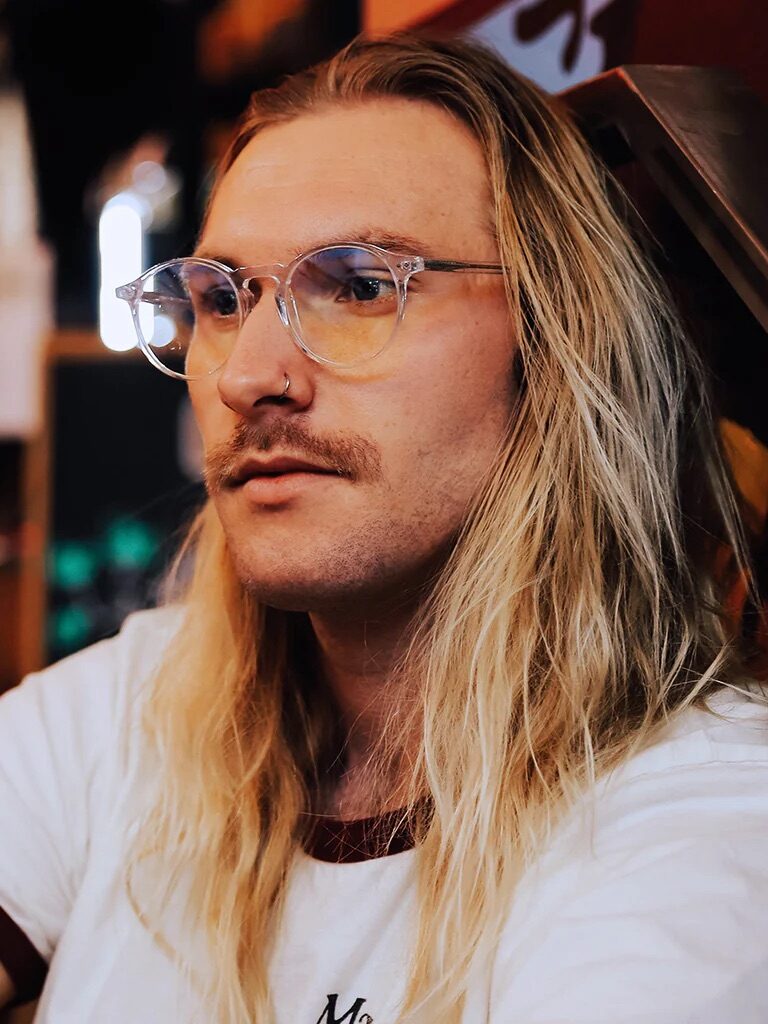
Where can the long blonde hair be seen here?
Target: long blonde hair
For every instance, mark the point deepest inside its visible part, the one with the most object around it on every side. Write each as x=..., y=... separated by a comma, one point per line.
x=576, y=613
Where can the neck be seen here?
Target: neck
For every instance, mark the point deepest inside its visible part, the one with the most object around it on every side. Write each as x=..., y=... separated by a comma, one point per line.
x=359, y=657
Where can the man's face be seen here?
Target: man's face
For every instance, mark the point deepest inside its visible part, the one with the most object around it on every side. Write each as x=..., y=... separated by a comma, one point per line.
x=414, y=430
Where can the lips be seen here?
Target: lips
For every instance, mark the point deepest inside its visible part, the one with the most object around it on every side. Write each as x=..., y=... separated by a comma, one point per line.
x=262, y=469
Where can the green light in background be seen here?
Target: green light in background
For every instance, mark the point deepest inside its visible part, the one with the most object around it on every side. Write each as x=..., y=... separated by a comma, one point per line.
x=73, y=565
x=70, y=627
x=130, y=544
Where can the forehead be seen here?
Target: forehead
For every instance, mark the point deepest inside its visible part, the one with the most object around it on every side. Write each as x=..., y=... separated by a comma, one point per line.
x=399, y=167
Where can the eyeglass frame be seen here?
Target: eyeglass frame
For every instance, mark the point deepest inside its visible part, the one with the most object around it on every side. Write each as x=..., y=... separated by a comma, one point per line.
x=402, y=267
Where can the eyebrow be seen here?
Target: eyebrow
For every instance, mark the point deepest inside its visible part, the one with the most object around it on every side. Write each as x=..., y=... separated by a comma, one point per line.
x=406, y=244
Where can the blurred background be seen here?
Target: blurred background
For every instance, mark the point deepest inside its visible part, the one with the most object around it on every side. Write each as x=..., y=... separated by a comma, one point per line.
x=111, y=119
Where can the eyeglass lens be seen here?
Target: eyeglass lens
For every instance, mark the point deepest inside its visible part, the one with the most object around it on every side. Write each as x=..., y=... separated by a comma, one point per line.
x=343, y=303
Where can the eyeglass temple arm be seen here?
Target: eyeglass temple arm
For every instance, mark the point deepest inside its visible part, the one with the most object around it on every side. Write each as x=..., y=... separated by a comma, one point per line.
x=156, y=298
x=454, y=266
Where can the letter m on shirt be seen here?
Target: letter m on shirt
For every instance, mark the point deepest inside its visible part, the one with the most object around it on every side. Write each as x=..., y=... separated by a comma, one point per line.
x=328, y=1016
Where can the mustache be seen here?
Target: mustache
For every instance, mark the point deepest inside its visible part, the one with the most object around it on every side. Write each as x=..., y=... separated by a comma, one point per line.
x=350, y=455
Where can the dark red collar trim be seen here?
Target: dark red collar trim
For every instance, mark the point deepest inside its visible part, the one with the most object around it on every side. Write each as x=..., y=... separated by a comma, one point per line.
x=346, y=842
x=26, y=967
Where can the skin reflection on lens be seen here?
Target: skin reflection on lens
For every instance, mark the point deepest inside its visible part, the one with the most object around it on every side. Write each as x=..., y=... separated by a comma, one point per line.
x=191, y=318
x=346, y=301
x=215, y=321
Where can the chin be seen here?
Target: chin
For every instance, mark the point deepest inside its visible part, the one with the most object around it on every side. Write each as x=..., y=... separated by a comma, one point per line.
x=311, y=596
x=306, y=581
x=341, y=584
x=374, y=567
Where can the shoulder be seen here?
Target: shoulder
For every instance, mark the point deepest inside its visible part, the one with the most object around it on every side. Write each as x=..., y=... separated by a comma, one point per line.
x=134, y=651
x=704, y=778
x=656, y=885
x=706, y=770
x=84, y=697
x=729, y=728
x=69, y=756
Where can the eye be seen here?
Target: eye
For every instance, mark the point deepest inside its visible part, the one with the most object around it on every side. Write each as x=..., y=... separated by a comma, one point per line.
x=212, y=296
x=220, y=301
x=367, y=289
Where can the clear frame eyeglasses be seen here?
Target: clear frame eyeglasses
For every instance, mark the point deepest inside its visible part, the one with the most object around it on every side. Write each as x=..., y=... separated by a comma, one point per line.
x=341, y=304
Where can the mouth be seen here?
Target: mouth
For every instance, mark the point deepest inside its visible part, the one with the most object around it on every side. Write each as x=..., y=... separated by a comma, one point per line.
x=279, y=481
x=276, y=468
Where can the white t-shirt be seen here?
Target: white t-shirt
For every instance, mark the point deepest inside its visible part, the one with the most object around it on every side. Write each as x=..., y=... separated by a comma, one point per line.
x=655, y=913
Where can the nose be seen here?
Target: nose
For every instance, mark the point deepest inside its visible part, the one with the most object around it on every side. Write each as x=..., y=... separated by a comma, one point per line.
x=252, y=291
x=264, y=355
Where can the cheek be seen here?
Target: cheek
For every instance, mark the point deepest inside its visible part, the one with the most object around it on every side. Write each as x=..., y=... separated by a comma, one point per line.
x=461, y=372
x=465, y=340
x=452, y=404
x=213, y=418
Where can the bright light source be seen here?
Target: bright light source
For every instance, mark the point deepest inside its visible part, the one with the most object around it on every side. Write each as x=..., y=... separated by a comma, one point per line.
x=164, y=331
x=121, y=237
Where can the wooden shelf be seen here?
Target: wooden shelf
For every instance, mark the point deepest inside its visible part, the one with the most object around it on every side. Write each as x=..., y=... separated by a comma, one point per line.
x=23, y=579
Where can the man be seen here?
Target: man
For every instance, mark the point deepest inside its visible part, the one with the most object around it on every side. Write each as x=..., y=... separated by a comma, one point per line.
x=447, y=725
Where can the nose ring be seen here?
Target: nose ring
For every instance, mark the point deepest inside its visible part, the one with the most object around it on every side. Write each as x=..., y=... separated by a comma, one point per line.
x=286, y=386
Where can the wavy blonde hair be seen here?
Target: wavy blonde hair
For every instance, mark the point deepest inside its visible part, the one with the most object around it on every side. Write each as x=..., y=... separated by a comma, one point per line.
x=577, y=612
